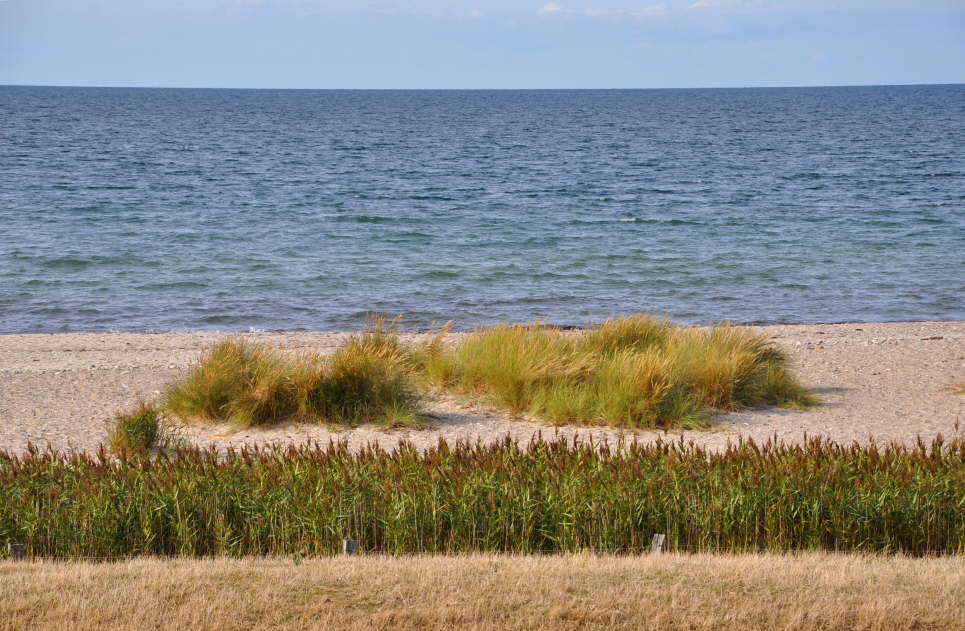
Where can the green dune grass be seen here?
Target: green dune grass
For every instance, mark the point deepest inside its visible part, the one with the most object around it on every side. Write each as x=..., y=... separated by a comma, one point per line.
x=137, y=430
x=248, y=384
x=635, y=371
x=638, y=371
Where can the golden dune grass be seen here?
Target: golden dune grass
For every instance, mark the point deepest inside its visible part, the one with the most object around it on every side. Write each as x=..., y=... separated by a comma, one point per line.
x=698, y=592
x=251, y=384
x=636, y=371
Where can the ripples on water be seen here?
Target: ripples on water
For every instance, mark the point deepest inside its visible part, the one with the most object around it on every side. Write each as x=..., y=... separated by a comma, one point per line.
x=217, y=209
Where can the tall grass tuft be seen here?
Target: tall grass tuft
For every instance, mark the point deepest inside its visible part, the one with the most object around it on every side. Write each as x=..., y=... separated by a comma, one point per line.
x=211, y=383
x=637, y=332
x=137, y=431
x=729, y=367
x=364, y=381
x=236, y=381
x=548, y=497
x=636, y=371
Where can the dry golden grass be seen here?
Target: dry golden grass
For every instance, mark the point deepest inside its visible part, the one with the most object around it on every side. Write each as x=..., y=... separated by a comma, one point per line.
x=700, y=592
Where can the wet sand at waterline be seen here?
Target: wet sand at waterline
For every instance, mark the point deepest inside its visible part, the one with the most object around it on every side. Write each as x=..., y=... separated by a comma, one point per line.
x=881, y=381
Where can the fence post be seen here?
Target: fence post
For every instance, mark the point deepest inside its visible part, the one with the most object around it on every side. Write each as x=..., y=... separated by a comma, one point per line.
x=17, y=551
x=656, y=545
x=350, y=547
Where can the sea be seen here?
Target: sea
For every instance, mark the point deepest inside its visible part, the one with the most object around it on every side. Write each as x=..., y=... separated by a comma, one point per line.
x=246, y=210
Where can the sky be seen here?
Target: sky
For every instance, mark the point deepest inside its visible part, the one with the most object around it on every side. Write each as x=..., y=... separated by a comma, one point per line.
x=481, y=43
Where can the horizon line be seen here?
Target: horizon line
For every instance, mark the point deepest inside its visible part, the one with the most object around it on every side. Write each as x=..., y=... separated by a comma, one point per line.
x=487, y=89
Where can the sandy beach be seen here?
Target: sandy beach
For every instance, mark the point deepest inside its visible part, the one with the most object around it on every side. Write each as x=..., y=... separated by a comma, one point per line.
x=881, y=381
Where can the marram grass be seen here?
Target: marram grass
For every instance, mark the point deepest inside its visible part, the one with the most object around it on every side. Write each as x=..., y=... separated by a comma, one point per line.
x=635, y=371
x=552, y=497
x=249, y=384
x=137, y=430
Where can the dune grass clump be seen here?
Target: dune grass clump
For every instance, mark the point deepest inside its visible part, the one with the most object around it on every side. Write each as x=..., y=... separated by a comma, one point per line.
x=137, y=431
x=637, y=371
x=364, y=381
x=540, y=497
x=729, y=368
x=236, y=381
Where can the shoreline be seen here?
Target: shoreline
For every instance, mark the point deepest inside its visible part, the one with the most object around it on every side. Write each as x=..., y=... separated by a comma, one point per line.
x=754, y=324
x=883, y=381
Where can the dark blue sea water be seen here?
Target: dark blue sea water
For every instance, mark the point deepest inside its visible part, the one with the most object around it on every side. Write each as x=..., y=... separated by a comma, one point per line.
x=132, y=209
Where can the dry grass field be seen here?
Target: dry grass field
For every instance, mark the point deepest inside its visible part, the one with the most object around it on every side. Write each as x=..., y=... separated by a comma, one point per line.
x=693, y=592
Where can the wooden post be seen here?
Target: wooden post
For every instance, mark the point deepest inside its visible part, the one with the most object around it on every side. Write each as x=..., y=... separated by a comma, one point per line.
x=17, y=551
x=350, y=547
x=656, y=546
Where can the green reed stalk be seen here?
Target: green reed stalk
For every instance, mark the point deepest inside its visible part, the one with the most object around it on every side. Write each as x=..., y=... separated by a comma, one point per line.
x=552, y=497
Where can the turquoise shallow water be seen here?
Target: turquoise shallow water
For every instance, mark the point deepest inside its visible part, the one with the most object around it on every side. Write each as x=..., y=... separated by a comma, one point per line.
x=161, y=209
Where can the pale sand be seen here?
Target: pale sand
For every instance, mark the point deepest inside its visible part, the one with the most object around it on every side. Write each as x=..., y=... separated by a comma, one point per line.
x=881, y=381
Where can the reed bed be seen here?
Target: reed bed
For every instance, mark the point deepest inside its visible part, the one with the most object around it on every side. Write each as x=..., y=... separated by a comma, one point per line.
x=635, y=371
x=547, y=497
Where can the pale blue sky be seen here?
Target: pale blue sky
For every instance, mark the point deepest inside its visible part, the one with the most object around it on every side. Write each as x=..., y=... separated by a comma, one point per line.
x=481, y=43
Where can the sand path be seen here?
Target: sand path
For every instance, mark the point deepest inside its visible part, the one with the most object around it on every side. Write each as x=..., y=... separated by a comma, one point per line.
x=887, y=381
